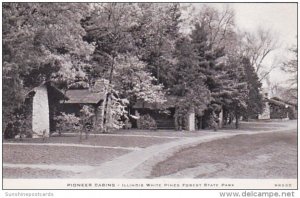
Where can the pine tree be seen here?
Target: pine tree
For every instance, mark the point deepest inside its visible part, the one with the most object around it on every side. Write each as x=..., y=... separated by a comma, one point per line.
x=155, y=37
x=207, y=65
x=236, y=101
x=255, y=102
x=188, y=83
x=223, y=78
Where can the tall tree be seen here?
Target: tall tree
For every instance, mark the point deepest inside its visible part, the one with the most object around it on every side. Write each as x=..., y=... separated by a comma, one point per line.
x=157, y=31
x=257, y=47
x=135, y=83
x=223, y=74
x=255, y=100
x=291, y=67
x=220, y=24
x=207, y=65
x=188, y=82
x=119, y=34
x=109, y=27
x=37, y=39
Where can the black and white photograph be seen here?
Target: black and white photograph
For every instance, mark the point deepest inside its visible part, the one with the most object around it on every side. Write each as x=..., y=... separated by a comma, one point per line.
x=153, y=95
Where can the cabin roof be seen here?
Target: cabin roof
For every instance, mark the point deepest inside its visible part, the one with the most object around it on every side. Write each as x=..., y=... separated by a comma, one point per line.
x=279, y=102
x=84, y=96
x=54, y=92
x=286, y=102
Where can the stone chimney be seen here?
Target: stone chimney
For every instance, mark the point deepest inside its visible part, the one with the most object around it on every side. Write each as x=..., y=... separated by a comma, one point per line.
x=101, y=85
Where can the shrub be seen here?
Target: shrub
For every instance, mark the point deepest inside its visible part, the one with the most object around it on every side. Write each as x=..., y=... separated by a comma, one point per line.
x=146, y=122
x=67, y=122
x=213, y=121
x=19, y=127
x=86, y=114
x=86, y=119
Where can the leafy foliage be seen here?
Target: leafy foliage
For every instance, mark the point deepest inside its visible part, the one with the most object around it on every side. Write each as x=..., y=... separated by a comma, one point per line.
x=67, y=123
x=50, y=48
x=135, y=83
x=86, y=114
x=188, y=82
x=117, y=113
x=146, y=122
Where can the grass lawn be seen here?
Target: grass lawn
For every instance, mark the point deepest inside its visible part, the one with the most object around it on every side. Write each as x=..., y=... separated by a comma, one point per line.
x=270, y=155
x=61, y=155
x=254, y=126
x=99, y=140
x=28, y=154
x=162, y=133
x=34, y=173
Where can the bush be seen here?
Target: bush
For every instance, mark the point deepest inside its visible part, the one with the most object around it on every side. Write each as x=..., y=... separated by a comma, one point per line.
x=146, y=122
x=87, y=116
x=67, y=122
x=10, y=131
x=213, y=121
x=19, y=127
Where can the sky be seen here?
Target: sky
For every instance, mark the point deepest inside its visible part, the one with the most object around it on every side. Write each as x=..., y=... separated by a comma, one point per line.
x=280, y=18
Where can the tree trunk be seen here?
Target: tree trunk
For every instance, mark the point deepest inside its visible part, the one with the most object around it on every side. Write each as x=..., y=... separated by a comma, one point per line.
x=106, y=107
x=236, y=121
x=199, y=122
x=157, y=73
x=230, y=119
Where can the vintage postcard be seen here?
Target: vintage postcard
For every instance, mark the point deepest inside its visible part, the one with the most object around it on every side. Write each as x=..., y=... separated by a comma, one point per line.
x=149, y=96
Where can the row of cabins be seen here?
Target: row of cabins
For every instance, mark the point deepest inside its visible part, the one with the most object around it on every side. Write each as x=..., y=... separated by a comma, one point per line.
x=277, y=108
x=47, y=101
